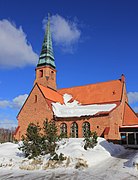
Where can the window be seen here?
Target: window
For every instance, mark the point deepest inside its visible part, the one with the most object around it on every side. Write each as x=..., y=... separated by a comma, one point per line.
x=137, y=138
x=114, y=92
x=74, y=130
x=131, y=138
x=35, y=99
x=63, y=130
x=40, y=73
x=52, y=74
x=123, y=138
x=85, y=128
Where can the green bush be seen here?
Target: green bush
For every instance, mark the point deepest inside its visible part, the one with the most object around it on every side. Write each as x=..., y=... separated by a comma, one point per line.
x=59, y=157
x=63, y=135
x=90, y=140
x=32, y=143
x=35, y=143
x=50, y=136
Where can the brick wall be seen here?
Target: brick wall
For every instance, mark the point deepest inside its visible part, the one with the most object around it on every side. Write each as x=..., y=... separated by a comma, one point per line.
x=36, y=109
x=33, y=111
x=97, y=124
x=46, y=76
x=117, y=116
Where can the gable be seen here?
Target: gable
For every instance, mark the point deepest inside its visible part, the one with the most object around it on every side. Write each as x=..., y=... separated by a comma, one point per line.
x=130, y=118
x=99, y=93
x=30, y=101
x=48, y=95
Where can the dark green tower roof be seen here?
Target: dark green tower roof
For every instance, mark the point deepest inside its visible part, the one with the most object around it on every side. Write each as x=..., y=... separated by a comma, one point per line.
x=47, y=57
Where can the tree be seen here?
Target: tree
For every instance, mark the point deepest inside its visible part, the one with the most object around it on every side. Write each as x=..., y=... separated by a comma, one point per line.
x=90, y=139
x=50, y=136
x=33, y=142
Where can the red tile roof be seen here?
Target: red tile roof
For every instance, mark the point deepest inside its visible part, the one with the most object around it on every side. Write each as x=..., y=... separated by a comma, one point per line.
x=51, y=95
x=105, y=92
x=130, y=118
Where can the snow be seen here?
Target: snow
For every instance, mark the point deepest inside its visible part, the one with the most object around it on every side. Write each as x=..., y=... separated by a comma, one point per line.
x=105, y=161
x=131, y=126
x=134, y=161
x=10, y=156
x=74, y=109
x=72, y=148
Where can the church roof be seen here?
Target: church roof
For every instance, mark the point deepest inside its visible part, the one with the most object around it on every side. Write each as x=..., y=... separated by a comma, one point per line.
x=130, y=117
x=54, y=96
x=51, y=94
x=105, y=92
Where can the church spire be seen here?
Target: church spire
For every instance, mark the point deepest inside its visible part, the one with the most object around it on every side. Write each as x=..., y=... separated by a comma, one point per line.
x=46, y=57
x=46, y=69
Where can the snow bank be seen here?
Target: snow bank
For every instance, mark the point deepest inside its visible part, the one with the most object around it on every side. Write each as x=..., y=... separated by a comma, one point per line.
x=73, y=150
x=10, y=155
x=74, y=109
x=112, y=149
x=135, y=161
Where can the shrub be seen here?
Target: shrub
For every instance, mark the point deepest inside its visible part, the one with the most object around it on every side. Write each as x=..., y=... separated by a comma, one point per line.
x=90, y=140
x=59, y=157
x=50, y=136
x=33, y=142
x=63, y=135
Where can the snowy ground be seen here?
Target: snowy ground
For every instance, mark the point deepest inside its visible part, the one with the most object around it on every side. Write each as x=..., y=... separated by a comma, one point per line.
x=105, y=161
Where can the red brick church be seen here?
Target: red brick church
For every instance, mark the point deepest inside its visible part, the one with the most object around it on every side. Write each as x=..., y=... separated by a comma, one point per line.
x=101, y=107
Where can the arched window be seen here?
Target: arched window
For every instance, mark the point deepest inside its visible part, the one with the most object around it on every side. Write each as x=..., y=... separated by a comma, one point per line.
x=40, y=73
x=63, y=130
x=74, y=130
x=52, y=74
x=85, y=128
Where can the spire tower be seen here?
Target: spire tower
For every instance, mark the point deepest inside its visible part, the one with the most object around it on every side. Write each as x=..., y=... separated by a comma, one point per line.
x=46, y=69
x=47, y=56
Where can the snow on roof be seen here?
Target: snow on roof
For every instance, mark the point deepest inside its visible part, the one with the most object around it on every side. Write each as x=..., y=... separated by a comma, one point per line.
x=131, y=126
x=75, y=109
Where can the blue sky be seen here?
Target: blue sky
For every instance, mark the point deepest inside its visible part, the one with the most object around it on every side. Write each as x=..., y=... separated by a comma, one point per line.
x=93, y=41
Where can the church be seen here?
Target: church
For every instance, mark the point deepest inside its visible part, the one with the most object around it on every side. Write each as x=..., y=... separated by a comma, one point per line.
x=101, y=107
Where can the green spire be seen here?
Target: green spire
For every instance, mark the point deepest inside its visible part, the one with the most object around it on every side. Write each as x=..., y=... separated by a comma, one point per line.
x=47, y=56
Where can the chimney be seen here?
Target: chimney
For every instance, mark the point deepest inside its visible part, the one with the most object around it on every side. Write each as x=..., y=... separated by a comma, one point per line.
x=122, y=78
